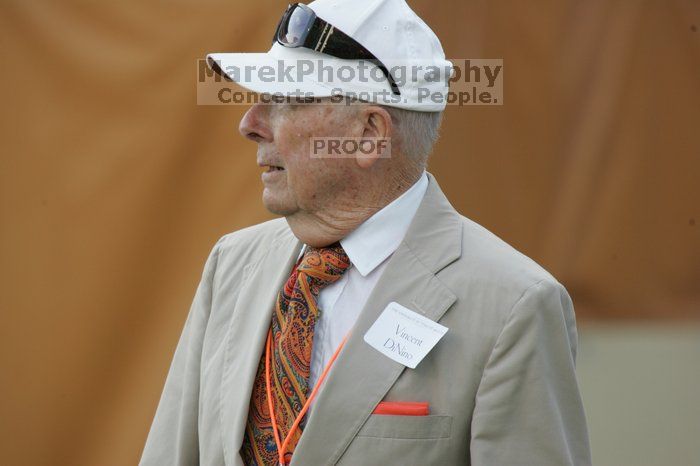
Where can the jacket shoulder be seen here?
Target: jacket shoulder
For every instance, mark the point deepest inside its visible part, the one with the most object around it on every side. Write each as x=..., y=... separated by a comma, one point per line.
x=492, y=269
x=497, y=260
x=251, y=243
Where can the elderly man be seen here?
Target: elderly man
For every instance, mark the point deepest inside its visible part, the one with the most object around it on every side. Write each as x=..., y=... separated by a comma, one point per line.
x=371, y=324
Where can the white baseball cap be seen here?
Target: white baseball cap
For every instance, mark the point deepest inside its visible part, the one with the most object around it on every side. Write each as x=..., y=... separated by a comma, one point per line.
x=407, y=48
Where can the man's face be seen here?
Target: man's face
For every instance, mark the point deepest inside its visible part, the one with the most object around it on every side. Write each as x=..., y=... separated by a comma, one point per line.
x=293, y=180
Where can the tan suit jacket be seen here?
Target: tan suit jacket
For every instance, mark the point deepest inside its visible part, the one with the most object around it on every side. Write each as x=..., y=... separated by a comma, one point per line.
x=501, y=383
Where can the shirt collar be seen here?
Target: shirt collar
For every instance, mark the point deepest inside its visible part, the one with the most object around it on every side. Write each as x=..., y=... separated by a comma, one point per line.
x=380, y=235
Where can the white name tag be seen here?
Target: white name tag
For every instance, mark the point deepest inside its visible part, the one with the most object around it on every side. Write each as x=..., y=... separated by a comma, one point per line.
x=404, y=335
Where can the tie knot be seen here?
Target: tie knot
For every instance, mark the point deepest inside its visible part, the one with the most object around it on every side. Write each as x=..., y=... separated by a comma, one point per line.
x=324, y=265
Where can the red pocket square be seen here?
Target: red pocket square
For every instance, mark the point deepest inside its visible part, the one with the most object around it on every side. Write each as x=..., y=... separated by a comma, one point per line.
x=402, y=408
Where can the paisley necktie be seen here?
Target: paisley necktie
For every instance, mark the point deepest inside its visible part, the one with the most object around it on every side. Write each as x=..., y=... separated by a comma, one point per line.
x=292, y=329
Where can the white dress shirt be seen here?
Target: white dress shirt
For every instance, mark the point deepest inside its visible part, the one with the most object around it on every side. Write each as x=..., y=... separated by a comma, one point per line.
x=369, y=247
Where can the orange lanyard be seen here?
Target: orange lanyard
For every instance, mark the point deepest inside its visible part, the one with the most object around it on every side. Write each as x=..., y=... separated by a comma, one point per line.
x=282, y=446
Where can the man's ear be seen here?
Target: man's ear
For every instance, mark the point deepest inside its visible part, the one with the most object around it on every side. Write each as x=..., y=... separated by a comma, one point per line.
x=376, y=136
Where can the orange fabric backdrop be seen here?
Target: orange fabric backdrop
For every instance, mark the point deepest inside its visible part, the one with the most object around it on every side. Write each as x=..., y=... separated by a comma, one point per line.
x=114, y=184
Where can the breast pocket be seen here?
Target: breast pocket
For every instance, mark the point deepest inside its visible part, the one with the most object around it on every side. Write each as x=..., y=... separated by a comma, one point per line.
x=407, y=440
x=407, y=427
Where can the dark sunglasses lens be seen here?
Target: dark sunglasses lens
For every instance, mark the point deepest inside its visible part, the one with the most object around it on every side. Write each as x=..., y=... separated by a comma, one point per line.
x=293, y=30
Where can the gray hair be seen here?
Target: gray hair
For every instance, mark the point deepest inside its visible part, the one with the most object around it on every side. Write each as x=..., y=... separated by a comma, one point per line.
x=417, y=131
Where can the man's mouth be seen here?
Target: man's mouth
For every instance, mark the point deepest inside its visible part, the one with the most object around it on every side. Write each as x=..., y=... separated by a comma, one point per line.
x=272, y=168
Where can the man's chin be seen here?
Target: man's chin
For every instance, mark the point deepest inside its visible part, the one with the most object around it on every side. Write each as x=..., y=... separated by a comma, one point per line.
x=278, y=206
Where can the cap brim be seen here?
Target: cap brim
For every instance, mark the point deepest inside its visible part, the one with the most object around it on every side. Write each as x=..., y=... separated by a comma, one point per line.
x=281, y=72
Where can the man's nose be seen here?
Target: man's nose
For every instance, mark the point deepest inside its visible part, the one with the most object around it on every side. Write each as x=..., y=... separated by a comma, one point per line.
x=255, y=124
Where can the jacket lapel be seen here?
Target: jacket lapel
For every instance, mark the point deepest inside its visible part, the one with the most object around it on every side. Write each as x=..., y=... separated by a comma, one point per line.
x=246, y=336
x=361, y=376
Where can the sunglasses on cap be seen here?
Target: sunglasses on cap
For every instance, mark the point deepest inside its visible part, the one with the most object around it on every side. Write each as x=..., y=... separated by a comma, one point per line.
x=300, y=27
